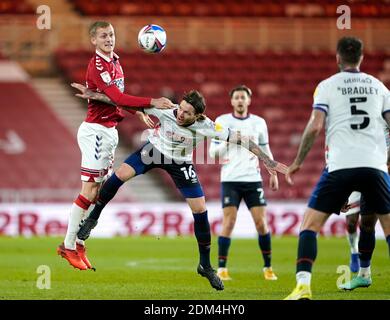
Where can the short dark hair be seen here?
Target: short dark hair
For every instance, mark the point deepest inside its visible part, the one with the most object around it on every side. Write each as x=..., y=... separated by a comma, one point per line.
x=96, y=25
x=350, y=49
x=241, y=87
x=195, y=99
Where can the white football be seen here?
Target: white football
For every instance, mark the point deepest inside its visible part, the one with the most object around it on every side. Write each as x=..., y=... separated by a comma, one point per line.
x=152, y=38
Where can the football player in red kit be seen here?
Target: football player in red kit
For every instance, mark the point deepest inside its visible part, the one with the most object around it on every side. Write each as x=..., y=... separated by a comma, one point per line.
x=97, y=136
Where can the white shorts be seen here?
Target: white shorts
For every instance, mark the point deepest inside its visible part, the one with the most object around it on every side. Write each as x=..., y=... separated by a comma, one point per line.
x=97, y=144
x=354, y=202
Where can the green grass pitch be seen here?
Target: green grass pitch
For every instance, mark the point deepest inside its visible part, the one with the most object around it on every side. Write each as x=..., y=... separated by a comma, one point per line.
x=143, y=268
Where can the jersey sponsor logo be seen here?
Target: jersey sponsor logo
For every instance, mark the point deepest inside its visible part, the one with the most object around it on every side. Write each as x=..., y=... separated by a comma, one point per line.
x=360, y=80
x=106, y=77
x=175, y=137
x=120, y=83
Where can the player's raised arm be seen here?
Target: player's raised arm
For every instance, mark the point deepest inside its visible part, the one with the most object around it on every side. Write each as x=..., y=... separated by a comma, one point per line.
x=270, y=164
x=218, y=132
x=128, y=102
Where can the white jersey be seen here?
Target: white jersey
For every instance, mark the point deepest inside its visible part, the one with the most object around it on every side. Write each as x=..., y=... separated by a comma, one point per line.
x=178, y=142
x=238, y=163
x=354, y=103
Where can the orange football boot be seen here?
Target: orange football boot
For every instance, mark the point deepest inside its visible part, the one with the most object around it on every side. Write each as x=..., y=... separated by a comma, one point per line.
x=82, y=252
x=72, y=257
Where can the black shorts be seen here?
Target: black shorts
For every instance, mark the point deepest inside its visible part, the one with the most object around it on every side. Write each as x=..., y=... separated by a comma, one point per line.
x=183, y=174
x=233, y=192
x=334, y=188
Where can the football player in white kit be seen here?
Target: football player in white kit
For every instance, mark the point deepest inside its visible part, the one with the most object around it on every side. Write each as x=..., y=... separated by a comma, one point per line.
x=352, y=211
x=351, y=104
x=170, y=148
x=241, y=178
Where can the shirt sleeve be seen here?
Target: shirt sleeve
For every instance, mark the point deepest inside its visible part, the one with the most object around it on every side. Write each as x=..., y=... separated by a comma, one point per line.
x=320, y=97
x=214, y=130
x=386, y=99
x=263, y=137
x=102, y=78
x=154, y=112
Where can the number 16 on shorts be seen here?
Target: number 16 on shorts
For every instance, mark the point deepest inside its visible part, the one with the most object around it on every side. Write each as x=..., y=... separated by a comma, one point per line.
x=189, y=173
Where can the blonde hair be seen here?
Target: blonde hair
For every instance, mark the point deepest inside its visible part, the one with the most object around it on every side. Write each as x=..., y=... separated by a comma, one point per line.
x=96, y=25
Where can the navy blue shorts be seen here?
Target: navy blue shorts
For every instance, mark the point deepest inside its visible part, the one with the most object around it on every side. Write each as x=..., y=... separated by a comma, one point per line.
x=233, y=192
x=334, y=188
x=183, y=174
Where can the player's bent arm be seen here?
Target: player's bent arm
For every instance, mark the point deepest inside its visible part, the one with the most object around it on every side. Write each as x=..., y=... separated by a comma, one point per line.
x=122, y=99
x=312, y=130
x=274, y=178
x=112, y=95
x=267, y=150
x=100, y=97
x=272, y=165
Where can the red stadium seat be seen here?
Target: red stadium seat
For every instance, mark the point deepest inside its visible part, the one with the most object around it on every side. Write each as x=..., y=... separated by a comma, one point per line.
x=218, y=8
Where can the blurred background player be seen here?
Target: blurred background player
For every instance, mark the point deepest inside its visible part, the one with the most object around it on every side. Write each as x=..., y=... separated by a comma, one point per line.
x=170, y=148
x=351, y=166
x=241, y=179
x=97, y=136
x=368, y=222
x=352, y=211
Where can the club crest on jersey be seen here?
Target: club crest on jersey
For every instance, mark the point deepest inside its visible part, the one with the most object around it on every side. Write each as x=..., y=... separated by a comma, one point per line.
x=106, y=77
x=218, y=127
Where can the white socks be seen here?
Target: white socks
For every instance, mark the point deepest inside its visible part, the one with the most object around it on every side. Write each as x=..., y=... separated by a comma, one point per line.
x=353, y=239
x=76, y=214
x=365, y=272
x=303, y=277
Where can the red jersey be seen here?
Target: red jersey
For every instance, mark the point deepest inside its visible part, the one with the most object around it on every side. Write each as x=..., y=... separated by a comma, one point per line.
x=105, y=75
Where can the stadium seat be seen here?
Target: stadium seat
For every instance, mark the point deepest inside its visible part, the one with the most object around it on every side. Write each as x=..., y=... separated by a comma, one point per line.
x=230, y=8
